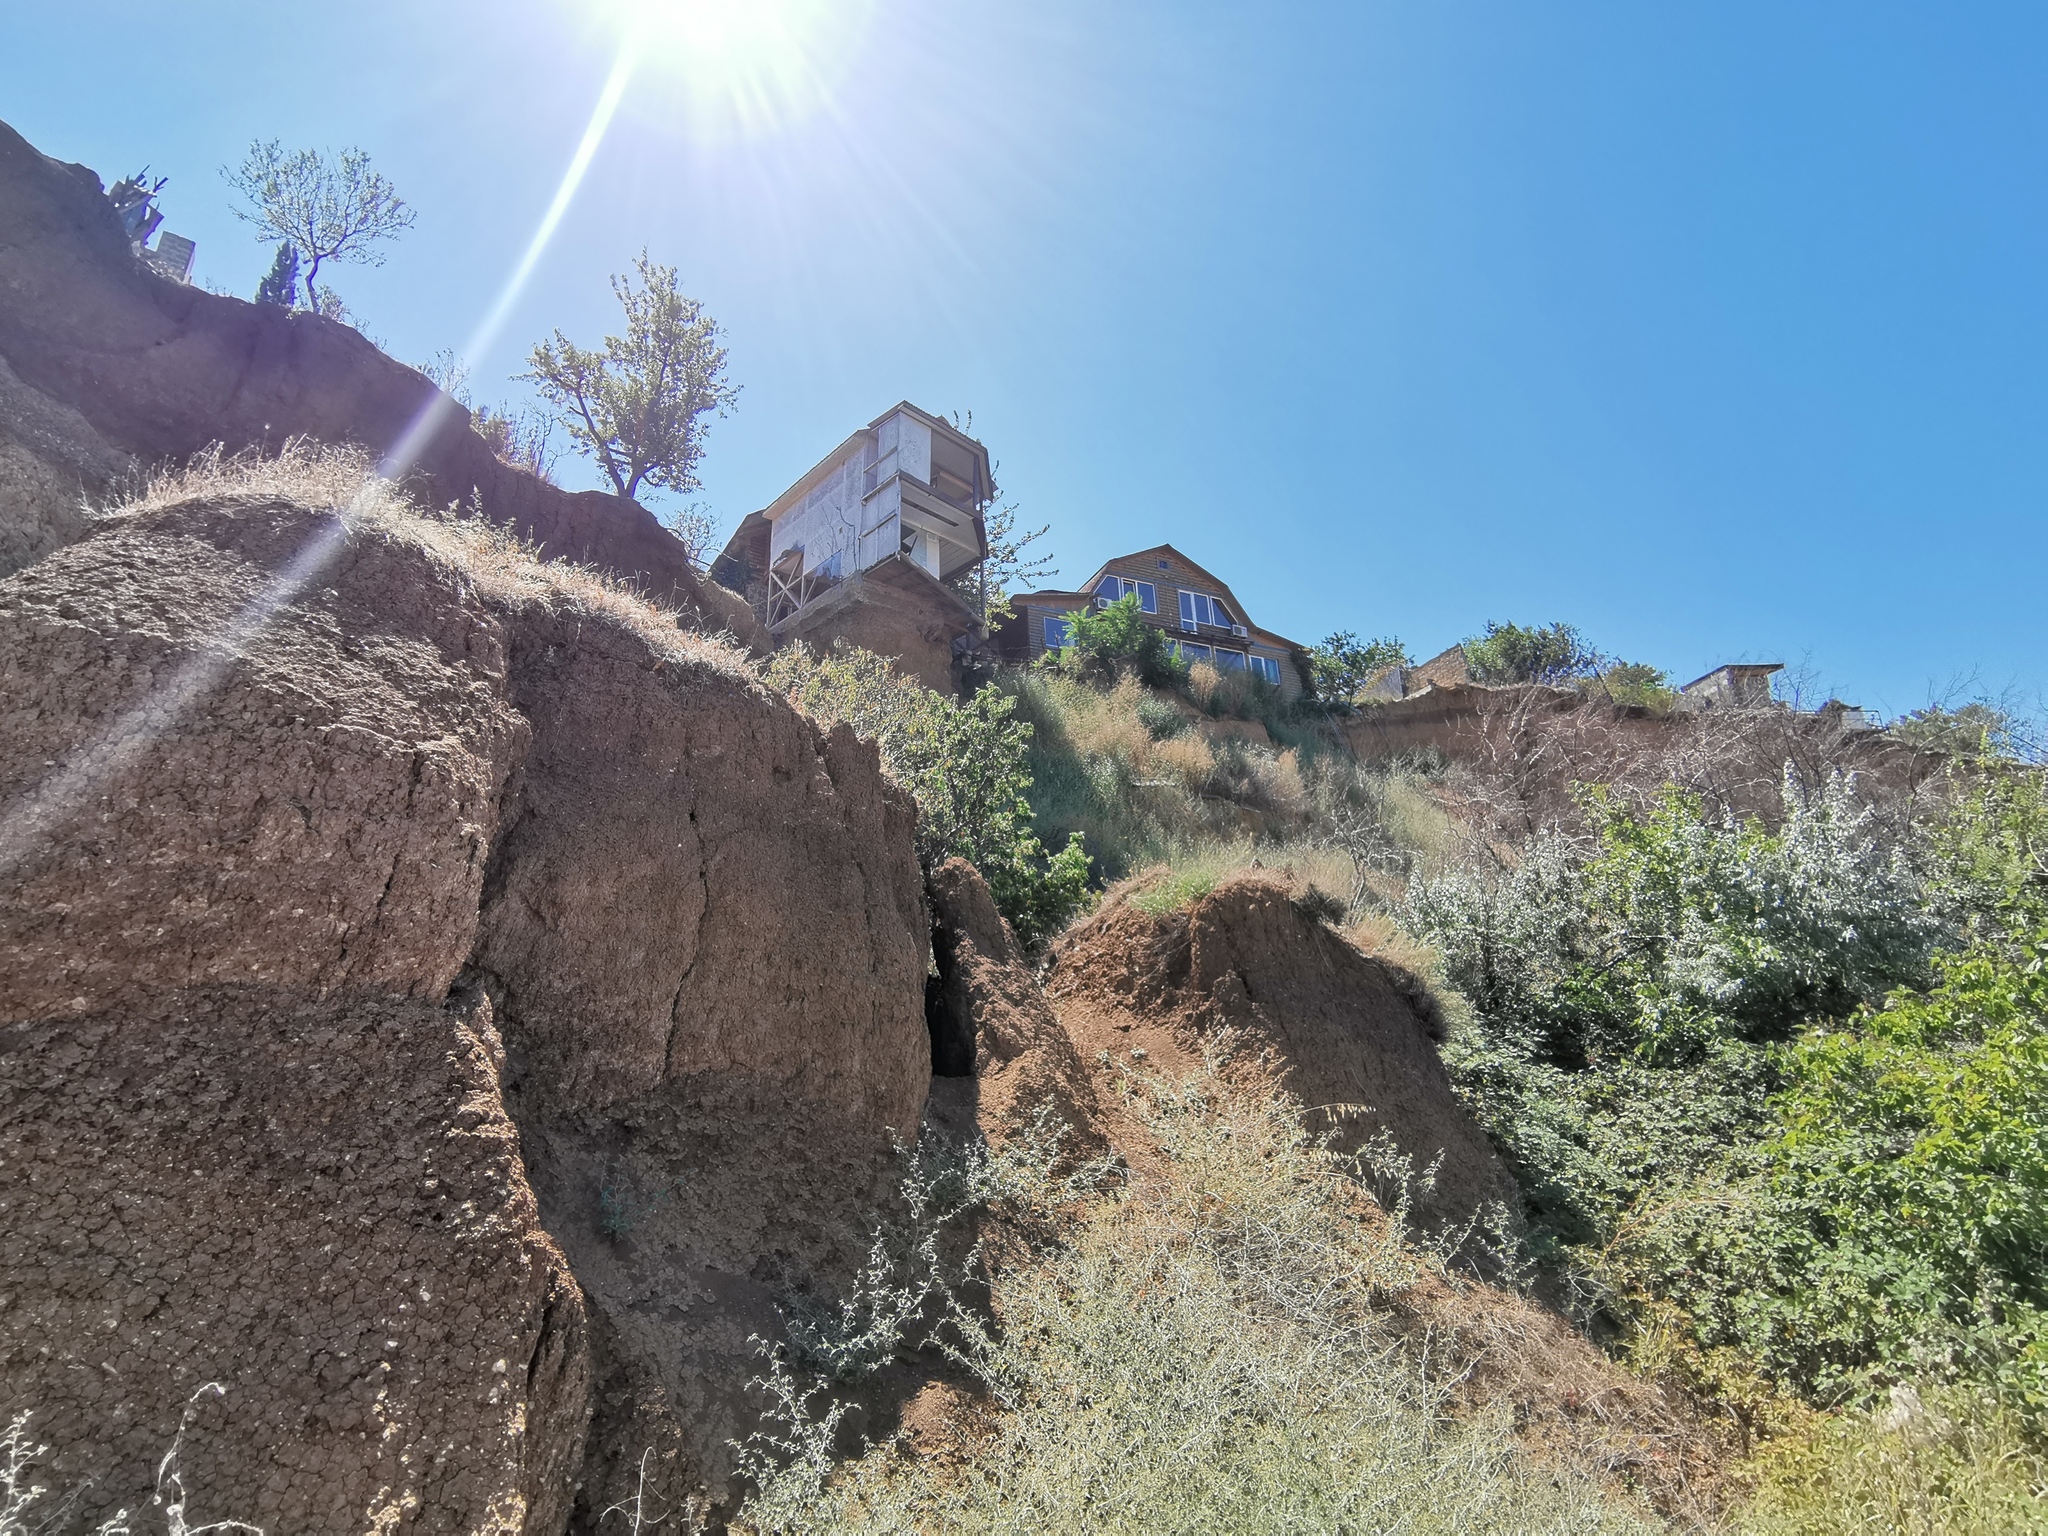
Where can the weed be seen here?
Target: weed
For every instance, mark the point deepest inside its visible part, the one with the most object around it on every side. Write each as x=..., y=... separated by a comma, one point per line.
x=1210, y=1351
x=20, y=1493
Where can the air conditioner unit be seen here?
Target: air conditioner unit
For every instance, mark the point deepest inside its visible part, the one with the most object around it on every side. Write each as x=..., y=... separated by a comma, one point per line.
x=1240, y=631
x=1102, y=602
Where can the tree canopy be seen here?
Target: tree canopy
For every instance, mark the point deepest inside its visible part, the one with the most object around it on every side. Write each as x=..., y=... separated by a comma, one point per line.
x=1510, y=653
x=638, y=404
x=323, y=209
x=1343, y=663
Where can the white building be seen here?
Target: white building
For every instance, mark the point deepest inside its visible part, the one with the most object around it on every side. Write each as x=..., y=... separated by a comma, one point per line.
x=881, y=523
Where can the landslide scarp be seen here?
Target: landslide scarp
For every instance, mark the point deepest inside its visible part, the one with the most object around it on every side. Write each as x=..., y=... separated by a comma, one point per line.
x=379, y=903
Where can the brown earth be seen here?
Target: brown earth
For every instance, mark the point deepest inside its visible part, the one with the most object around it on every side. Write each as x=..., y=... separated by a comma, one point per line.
x=108, y=364
x=999, y=1056
x=1248, y=970
x=319, y=1206
x=296, y=807
x=1530, y=748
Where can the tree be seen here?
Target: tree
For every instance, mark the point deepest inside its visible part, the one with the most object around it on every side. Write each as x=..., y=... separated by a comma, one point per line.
x=1508, y=653
x=695, y=526
x=1007, y=569
x=1343, y=664
x=1115, y=639
x=326, y=210
x=637, y=406
x=1633, y=682
x=281, y=286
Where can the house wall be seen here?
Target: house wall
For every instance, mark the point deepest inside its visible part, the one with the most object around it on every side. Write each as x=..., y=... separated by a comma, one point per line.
x=1034, y=615
x=854, y=514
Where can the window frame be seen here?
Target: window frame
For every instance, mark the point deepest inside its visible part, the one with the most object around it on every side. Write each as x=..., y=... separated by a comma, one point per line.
x=1065, y=622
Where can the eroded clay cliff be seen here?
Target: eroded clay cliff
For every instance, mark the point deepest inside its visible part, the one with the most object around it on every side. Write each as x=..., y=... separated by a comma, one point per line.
x=378, y=908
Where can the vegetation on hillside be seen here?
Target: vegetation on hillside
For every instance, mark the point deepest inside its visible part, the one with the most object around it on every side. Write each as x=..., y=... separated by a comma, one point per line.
x=1218, y=1347
x=1774, y=1085
x=967, y=767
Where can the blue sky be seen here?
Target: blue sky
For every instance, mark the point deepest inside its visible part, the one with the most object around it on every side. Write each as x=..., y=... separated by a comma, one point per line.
x=1717, y=330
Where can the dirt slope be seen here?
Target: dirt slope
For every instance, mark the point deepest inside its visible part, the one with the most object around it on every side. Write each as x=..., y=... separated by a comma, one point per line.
x=999, y=1055
x=301, y=819
x=1247, y=964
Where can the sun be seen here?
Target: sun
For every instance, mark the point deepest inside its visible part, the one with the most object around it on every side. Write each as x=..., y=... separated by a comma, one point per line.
x=744, y=66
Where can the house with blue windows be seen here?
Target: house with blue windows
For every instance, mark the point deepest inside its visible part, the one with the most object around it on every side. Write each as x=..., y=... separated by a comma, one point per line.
x=1201, y=615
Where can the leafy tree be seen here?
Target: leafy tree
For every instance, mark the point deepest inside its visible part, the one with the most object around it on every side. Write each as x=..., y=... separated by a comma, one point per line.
x=1008, y=568
x=326, y=210
x=638, y=405
x=967, y=767
x=1343, y=664
x=280, y=286
x=1509, y=653
x=1974, y=730
x=1632, y=682
x=1115, y=639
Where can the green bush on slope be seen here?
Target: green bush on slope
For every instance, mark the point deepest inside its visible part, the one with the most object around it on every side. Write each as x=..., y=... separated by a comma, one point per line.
x=1679, y=1046
x=967, y=765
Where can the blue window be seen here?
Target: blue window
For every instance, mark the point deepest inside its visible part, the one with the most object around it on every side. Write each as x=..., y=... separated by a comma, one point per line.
x=1230, y=661
x=1267, y=667
x=1200, y=608
x=1057, y=632
x=1115, y=587
x=1193, y=652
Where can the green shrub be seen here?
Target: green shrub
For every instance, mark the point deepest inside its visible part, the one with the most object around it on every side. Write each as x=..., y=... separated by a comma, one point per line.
x=1113, y=640
x=1959, y=1465
x=1894, y=1223
x=1976, y=730
x=1628, y=994
x=967, y=766
x=1699, y=1043
x=1633, y=684
x=1509, y=653
x=1162, y=718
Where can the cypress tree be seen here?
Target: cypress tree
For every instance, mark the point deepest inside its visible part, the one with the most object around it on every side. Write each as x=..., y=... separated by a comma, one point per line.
x=281, y=287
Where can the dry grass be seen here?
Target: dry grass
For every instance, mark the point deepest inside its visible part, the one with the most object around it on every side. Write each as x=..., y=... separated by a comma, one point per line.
x=503, y=568
x=1215, y=1349
x=1315, y=872
x=1957, y=1466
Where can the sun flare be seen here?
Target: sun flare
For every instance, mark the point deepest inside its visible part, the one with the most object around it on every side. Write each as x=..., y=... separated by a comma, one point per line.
x=743, y=66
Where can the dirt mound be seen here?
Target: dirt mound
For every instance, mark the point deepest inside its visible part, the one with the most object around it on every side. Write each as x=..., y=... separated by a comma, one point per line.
x=272, y=781
x=999, y=1056
x=108, y=363
x=1350, y=1035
